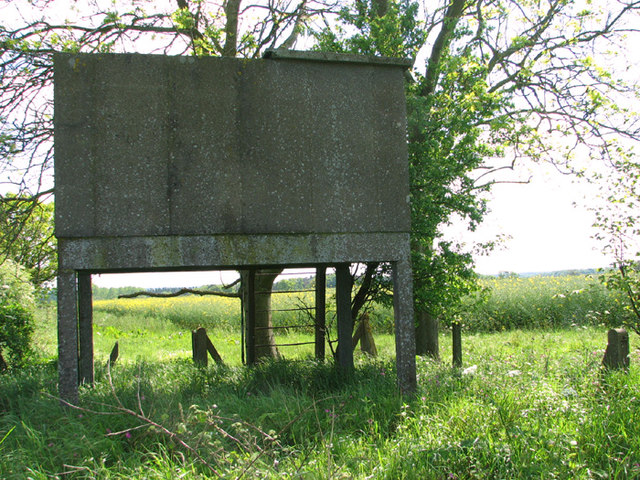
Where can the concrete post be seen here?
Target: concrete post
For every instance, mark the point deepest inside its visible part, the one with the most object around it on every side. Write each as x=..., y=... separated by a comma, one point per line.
x=405, y=326
x=343, y=313
x=85, y=320
x=251, y=318
x=67, y=336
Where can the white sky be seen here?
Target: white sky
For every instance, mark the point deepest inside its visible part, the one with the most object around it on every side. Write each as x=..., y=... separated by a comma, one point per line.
x=548, y=232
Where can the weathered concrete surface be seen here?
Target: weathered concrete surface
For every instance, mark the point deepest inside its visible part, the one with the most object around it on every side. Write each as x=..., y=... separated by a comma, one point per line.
x=152, y=145
x=404, y=326
x=103, y=254
x=174, y=163
x=68, y=368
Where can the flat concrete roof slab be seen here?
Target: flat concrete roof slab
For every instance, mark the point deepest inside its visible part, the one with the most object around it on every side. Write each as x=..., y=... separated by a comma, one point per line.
x=152, y=145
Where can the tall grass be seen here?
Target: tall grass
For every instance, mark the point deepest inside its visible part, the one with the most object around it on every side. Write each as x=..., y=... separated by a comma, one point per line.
x=188, y=312
x=536, y=406
x=505, y=303
x=543, y=302
x=222, y=315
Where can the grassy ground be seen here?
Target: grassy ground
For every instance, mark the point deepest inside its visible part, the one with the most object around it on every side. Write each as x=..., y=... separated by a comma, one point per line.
x=530, y=404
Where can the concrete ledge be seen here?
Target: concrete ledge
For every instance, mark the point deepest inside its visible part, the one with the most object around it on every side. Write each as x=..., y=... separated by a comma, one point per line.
x=105, y=254
x=337, y=57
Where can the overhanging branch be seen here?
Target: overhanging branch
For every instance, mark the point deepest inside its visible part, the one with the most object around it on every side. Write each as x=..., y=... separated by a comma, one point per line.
x=183, y=291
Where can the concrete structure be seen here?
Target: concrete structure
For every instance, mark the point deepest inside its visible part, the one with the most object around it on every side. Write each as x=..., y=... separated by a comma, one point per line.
x=178, y=163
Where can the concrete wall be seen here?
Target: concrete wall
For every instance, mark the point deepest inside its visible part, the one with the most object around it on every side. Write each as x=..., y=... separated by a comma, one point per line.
x=150, y=145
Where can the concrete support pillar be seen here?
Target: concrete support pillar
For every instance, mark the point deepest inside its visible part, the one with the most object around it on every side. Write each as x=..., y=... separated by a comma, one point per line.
x=251, y=317
x=85, y=321
x=321, y=308
x=343, y=313
x=405, y=326
x=67, y=336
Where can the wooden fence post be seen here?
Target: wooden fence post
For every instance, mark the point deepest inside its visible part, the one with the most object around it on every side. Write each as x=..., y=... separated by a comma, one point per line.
x=199, y=345
x=202, y=345
x=617, y=354
x=456, y=334
x=212, y=351
x=113, y=356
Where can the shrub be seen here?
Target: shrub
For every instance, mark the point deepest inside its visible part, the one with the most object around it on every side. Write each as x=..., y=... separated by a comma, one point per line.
x=16, y=328
x=15, y=286
x=16, y=314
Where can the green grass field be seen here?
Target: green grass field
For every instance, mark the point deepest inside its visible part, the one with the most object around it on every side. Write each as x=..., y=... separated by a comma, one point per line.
x=529, y=403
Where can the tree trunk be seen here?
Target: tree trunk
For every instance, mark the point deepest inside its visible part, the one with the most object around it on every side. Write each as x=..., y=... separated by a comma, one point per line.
x=232, y=11
x=427, y=335
x=3, y=364
x=263, y=335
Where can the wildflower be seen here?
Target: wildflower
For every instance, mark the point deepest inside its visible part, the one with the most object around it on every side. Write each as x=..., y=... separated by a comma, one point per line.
x=128, y=435
x=470, y=370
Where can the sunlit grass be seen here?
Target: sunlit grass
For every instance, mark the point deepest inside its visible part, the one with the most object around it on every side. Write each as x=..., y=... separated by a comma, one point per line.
x=536, y=405
x=528, y=403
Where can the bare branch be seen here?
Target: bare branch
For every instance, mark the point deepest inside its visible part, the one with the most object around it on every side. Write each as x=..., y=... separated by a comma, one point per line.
x=183, y=291
x=451, y=18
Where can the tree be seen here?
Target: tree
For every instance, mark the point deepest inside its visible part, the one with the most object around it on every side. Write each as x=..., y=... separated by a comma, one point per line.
x=263, y=339
x=16, y=314
x=503, y=82
x=619, y=231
